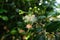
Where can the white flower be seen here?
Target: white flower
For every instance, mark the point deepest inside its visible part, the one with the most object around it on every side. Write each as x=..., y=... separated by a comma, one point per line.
x=29, y=18
x=33, y=18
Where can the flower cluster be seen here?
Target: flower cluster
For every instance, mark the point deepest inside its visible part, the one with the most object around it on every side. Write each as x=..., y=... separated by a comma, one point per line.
x=30, y=18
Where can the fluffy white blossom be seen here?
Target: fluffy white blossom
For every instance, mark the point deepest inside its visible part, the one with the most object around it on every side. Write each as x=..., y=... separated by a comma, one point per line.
x=29, y=18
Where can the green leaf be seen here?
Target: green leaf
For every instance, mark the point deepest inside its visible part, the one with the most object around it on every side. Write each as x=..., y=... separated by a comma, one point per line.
x=5, y=18
x=0, y=16
x=13, y=31
x=53, y=26
x=2, y=10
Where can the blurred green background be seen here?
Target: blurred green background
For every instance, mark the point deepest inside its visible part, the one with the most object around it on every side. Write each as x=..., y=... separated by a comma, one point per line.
x=29, y=20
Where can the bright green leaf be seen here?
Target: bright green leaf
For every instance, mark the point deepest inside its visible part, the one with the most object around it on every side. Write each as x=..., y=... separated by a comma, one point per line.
x=13, y=31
